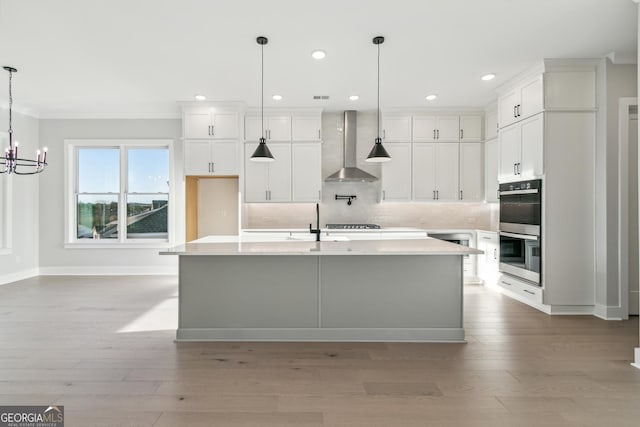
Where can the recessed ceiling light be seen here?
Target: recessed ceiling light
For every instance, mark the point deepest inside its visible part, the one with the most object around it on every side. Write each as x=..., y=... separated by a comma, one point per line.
x=431, y=97
x=354, y=97
x=488, y=77
x=200, y=97
x=277, y=97
x=318, y=54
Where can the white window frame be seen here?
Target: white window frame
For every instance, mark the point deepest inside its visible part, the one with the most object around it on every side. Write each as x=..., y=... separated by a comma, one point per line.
x=71, y=147
x=6, y=193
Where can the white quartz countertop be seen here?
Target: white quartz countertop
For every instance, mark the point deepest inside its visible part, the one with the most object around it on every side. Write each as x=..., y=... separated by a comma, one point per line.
x=241, y=245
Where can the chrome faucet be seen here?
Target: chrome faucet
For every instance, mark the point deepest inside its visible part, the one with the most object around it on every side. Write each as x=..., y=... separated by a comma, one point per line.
x=316, y=231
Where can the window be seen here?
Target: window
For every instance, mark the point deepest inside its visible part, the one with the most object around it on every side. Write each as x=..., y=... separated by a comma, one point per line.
x=120, y=191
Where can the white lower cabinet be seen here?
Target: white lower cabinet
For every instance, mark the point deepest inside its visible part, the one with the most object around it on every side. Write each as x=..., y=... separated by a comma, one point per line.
x=306, y=171
x=488, y=242
x=471, y=188
x=268, y=181
x=396, y=174
x=435, y=171
x=211, y=158
x=520, y=290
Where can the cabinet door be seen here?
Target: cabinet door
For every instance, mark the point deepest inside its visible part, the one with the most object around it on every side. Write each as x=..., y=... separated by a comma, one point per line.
x=225, y=125
x=424, y=128
x=471, y=171
x=280, y=172
x=509, y=152
x=279, y=128
x=424, y=171
x=396, y=128
x=507, y=108
x=253, y=128
x=491, y=125
x=306, y=128
x=255, y=176
x=224, y=158
x=306, y=171
x=531, y=98
x=532, y=131
x=197, y=158
x=447, y=171
x=491, y=157
x=470, y=128
x=448, y=128
x=396, y=174
x=197, y=125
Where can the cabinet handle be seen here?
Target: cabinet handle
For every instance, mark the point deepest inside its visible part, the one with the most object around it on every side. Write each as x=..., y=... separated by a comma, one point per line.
x=518, y=110
x=514, y=111
x=209, y=167
x=384, y=134
x=461, y=133
x=438, y=133
x=515, y=171
x=437, y=194
x=508, y=284
x=495, y=254
x=460, y=194
x=434, y=194
x=213, y=167
x=529, y=292
x=518, y=168
x=384, y=194
x=434, y=134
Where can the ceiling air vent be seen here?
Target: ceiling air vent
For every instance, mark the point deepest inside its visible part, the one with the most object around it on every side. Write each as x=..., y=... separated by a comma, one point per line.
x=320, y=96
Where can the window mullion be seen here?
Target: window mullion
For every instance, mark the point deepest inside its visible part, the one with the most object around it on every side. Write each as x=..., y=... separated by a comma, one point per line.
x=122, y=237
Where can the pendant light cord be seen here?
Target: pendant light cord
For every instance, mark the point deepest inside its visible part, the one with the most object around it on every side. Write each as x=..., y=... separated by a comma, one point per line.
x=378, y=115
x=10, y=111
x=262, y=88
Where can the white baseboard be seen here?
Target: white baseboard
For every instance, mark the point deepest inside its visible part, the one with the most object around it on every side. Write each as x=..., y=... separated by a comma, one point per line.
x=608, y=312
x=637, y=362
x=19, y=275
x=164, y=270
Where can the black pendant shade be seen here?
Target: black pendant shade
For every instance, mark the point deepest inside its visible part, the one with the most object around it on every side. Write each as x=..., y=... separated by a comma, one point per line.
x=378, y=153
x=262, y=153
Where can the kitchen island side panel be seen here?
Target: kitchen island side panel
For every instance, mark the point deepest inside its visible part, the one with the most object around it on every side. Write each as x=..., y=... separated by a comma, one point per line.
x=408, y=291
x=248, y=292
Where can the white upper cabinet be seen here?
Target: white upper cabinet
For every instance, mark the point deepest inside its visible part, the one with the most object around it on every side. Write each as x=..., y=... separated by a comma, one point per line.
x=396, y=174
x=523, y=101
x=211, y=158
x=424, y=128
x=276, y=128
x=447, y=172
x=268, y=181
x=471, y=177
x=396, y=128
x=470, y=128
x=448, y=128
x=210, y=124
x=307, y=128
x=491, y=158
x=491, y=125
x=521, y=150
x=423, y=171
x=306, y=171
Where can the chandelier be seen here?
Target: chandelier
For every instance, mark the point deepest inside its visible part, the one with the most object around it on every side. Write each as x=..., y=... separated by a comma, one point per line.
x=11, y=162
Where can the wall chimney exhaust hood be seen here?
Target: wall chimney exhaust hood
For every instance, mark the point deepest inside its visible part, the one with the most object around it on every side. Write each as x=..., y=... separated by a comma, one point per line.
x=349, y=171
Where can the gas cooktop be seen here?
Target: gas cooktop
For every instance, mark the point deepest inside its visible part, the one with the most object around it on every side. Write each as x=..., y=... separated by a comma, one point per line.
x=353, y=226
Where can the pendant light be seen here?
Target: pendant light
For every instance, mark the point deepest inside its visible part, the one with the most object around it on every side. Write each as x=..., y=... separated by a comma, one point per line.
x=262, y=153
x=11, y=162
x=378, y=153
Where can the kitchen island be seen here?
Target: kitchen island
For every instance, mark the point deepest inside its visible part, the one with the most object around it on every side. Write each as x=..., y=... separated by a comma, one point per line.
x=243, y=288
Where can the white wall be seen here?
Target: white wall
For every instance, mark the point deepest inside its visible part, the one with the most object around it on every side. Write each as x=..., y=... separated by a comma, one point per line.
x=21, y=260
x=54, y=257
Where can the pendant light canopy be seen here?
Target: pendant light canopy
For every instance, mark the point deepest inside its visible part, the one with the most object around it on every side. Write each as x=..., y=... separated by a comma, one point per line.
x=10, y=163
x=262, y=152
x=378, y=153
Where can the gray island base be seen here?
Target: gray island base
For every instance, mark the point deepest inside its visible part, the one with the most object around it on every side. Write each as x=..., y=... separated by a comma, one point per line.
x=392, y=290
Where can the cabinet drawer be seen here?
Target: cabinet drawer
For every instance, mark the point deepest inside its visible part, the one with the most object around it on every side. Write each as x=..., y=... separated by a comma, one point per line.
x=528, y=292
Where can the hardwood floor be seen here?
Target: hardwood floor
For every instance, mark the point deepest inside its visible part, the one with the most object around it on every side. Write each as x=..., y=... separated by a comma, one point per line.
x=103, y=347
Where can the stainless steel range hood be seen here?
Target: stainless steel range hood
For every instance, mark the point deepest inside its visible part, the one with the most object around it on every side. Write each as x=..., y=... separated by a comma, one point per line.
x=349, y=171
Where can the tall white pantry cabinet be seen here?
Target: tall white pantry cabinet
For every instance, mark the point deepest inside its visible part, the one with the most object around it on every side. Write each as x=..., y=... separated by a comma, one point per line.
x=546, y=122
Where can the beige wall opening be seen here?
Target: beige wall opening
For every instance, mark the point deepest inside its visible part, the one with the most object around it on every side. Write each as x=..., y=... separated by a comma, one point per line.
x=211, y=206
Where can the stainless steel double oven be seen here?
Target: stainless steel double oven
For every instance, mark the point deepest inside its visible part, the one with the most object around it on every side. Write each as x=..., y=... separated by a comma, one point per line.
x=520, y=230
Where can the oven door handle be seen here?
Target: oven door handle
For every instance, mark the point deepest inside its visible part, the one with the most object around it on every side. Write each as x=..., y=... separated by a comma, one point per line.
x=510, y=192
x=519, y=236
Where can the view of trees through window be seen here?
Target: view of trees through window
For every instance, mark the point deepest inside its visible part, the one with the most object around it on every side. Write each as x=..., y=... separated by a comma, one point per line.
x=101, y=192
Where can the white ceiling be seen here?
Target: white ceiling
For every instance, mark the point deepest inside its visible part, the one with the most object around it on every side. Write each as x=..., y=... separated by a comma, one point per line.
x=136, y=58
